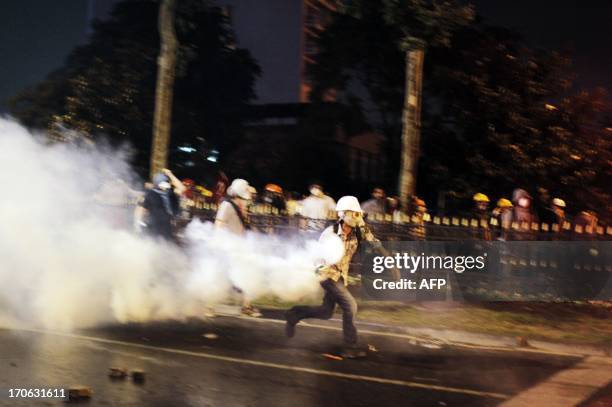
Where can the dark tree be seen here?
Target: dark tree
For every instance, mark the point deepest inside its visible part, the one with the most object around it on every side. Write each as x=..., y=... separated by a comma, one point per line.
x=106, y=88
x=496, y=113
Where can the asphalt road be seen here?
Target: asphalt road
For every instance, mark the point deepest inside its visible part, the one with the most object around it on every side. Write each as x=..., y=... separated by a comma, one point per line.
x=251, y=363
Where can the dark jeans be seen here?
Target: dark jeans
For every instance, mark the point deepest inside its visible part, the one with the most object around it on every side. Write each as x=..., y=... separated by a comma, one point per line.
x=335, y=293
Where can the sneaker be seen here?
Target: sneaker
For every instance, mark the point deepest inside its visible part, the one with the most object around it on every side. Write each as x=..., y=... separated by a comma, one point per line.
x=290, y=325
x=353, y=353
x=250, y=311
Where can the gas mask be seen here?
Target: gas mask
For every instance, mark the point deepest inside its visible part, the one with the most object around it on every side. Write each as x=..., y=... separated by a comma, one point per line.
x=352, y=219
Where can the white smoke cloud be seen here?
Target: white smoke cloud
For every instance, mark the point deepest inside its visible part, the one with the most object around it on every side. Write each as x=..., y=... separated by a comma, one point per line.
x=64, y=263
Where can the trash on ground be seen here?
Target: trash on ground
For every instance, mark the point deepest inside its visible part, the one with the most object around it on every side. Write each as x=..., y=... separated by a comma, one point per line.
x=522, y=341
x=332, y=357
x=430, y=345
x=138, y=376
x=210, y=335
x=79, y=393
x=117, y=373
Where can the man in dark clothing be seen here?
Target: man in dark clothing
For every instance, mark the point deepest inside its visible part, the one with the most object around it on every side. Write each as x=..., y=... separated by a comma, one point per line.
x=160, y=206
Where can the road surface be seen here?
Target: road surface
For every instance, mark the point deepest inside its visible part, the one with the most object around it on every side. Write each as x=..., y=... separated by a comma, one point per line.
x=230, y=361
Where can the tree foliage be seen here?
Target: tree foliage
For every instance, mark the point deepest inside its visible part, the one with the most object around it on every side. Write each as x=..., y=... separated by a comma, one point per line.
x=106, y=88
x=497, y=114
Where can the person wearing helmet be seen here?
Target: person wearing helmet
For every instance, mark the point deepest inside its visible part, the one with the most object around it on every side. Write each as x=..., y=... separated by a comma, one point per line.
x=273, y=196
x=417, y=219
x=481, y=214
x=555, y=213
x=232, y=216
x=503, y=217
x=160, y=206
x=351, y=229
x=481, y=205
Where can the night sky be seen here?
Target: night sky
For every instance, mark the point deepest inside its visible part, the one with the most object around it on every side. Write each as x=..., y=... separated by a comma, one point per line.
x=36, y=35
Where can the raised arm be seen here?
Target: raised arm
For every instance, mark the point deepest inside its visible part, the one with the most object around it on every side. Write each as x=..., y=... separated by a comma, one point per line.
x=179, y=188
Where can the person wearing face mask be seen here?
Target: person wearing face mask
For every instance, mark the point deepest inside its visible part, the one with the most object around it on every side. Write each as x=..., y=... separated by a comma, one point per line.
x=318, y=205
x=160, y=206
x=351, y=229
x=523, y=215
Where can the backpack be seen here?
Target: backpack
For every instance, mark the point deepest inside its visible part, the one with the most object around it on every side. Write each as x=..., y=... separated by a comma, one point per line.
x=244, y=222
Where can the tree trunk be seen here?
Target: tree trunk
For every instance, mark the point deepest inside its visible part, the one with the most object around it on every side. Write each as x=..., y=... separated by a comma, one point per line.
x=166, y=61
x=411, y=122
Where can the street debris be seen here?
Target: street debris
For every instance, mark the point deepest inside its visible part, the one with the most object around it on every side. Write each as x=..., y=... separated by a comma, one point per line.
x=430, y=345
x=138, y=376
x=117, y=373
x=79, y=393
x=372, y=348
x=522, y=341
x=332, y=357
x=210, y=335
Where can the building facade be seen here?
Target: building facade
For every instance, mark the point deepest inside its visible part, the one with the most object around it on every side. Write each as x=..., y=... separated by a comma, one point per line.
x=281, y=35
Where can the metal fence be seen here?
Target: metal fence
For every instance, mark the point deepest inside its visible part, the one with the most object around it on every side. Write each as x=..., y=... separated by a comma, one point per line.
x=518, y=271
x=432, y=228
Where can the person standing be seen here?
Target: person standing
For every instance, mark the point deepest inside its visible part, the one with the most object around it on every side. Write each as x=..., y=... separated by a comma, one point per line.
x=317, y=207
x=481, y=214
x=160, y=206
x=555, y=214
x=523, y=215
x=220, y=188
x=351, y=229
x=503, y=217
x=232, y=216
x=417, y=219
x=375, y=207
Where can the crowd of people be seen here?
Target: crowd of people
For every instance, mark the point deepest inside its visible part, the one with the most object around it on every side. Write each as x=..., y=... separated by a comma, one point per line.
x=519, y=212
x=161, y=204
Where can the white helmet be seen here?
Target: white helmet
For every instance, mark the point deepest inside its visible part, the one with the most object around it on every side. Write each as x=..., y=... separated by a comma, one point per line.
x=239, y=188
x=558, y=202
x=348, y=203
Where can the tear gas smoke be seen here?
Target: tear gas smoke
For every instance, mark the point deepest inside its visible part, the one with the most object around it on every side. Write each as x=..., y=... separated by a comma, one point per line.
x=64, y=263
